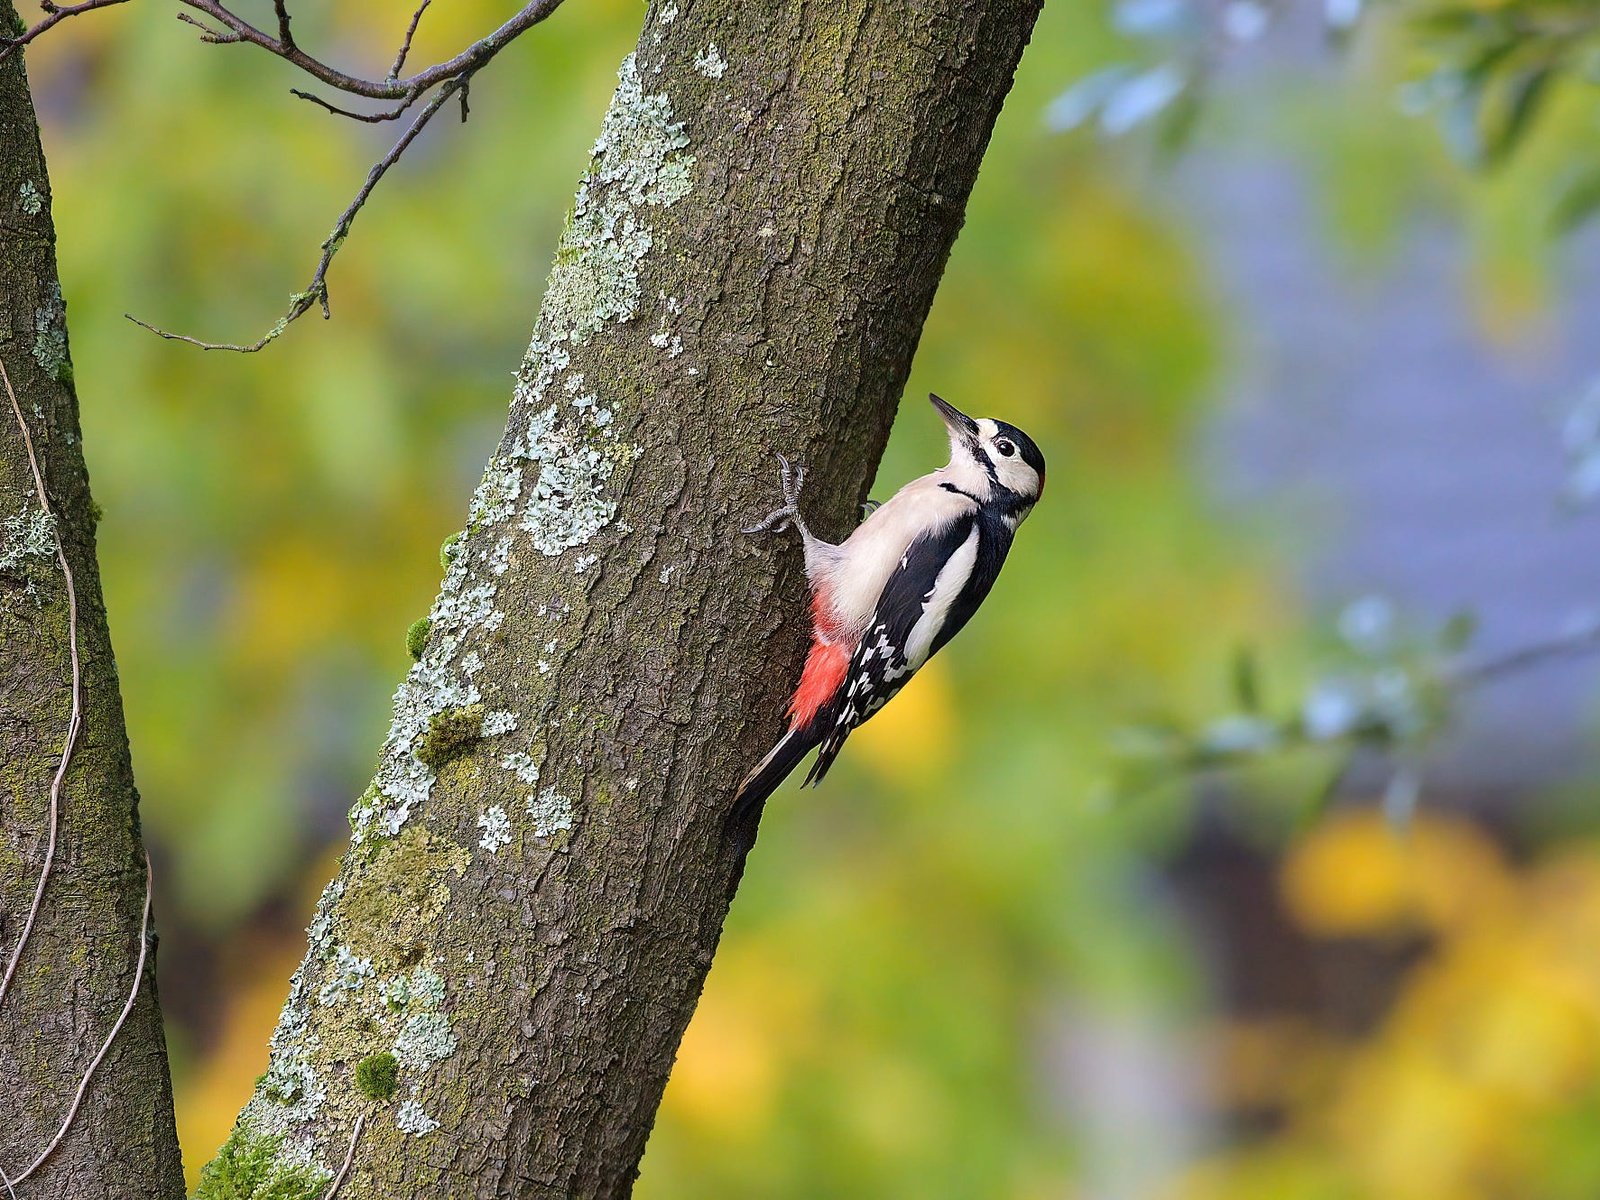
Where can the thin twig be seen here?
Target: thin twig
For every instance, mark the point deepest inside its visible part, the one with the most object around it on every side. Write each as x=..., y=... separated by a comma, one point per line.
x=75, y=720
x=349, y=1157
x=1578, y=641
x=405, y=43
x=317, y=291
x=284, y=36
x=53, y=17
x=212, y=37
x=468, y=60
x=386, y=114
x=227, y=28
x=83, y=1084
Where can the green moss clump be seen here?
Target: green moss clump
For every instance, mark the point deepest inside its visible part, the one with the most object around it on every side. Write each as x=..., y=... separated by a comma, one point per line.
x=248, y=1168
x=417, y=638
x=376, y=1076
x=450, y=735
x=447, y=551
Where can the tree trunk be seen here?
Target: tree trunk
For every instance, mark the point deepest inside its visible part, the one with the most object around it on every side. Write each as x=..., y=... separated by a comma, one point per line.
x=81, y=958
x=497, y=980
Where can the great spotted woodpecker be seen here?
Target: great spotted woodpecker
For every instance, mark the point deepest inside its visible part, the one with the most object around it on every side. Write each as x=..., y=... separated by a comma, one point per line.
x=897, y=589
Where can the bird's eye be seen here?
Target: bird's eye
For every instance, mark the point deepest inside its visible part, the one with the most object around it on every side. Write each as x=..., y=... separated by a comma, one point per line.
x=1005, y=447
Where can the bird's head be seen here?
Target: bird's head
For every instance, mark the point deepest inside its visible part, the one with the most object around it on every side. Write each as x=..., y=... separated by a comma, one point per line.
x=992, y=460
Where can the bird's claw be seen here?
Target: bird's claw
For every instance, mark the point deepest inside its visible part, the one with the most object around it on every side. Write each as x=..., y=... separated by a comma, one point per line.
x=793, y=479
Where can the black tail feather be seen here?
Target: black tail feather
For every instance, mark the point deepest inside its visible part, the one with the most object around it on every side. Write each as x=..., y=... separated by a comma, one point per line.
x=768, y=774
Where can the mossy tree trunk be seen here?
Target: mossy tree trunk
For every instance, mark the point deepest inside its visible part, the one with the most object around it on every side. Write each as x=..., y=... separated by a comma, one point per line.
x=80, y=961
x=498, y=978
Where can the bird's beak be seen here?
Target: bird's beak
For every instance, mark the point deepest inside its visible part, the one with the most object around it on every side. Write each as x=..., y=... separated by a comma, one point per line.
x=963, y=429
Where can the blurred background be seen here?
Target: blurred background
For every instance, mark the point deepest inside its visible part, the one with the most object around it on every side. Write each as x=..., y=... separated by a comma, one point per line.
x=1194, y=868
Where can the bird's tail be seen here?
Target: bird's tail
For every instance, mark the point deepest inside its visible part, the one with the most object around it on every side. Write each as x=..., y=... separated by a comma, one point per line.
x=768, y=774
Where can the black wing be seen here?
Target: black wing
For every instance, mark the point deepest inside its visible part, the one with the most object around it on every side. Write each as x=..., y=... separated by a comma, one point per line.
x=881, y=664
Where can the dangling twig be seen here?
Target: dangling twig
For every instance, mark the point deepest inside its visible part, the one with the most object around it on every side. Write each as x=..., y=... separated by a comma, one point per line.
x=349, y=1157
x=75, y=720
x=317, y=291
x=220, y=25
x=122, y=1017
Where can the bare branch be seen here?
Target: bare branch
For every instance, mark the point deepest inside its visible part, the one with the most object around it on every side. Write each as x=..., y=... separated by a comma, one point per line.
x=405, y=44
x=387, y=114
x=1584, y=638
x=54, y=15
x=220, y=25
x=284, y=36
x=214, y=37
x=317, y=291
x=470, y=59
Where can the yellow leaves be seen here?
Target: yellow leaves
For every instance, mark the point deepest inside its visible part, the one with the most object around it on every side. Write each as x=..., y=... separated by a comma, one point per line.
x=757, y=1012
x=1468, y=1085
x=209, y=1096
x=1358, y=875
x=911, y=739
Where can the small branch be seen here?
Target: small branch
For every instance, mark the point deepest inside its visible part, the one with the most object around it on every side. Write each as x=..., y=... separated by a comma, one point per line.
x=75, y=719
x=405, y=44
x=388, y=114
x=219, y=25
x=317, y=291
x=210, y=36
x=409, y=88
x=1582, y=640
x=285, y=38
x=349, y=1157
x=55, y=14
x=83, y=1084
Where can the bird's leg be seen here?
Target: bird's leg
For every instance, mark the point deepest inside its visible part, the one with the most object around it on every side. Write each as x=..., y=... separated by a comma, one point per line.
x=794, y=478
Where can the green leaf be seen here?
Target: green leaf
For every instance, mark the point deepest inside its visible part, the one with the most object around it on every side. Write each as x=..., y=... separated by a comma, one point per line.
x=1246, y=680
x=1458, y=632
x=1524, y=94
x=1577, y=201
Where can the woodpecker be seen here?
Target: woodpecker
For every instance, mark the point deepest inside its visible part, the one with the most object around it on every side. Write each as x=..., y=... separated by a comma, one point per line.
x=897, y=589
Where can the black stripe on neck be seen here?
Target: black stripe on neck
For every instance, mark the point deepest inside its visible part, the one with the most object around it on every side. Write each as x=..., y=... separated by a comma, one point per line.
x=950, y=487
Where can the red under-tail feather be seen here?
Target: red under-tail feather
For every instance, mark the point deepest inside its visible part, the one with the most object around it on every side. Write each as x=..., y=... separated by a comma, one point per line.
x=824, y=672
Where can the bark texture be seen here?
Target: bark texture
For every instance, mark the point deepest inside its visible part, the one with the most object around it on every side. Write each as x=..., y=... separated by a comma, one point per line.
x=539, y=874
x=79, y=963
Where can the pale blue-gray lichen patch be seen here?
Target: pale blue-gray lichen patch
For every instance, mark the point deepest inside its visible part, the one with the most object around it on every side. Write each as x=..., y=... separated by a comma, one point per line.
x=551, y=813
x=710, y=63
x=50, y=334
x=27, y=535
x=411, y=1118
x=495, y=829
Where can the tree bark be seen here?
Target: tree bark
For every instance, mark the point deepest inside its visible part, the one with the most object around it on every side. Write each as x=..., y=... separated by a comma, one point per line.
x=497, y=980
x=82, y=956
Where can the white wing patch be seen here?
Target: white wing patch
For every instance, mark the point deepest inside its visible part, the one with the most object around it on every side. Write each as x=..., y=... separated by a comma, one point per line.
x=947, y=586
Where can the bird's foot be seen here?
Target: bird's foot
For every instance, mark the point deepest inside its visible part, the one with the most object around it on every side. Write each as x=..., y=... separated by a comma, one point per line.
x=793, y=478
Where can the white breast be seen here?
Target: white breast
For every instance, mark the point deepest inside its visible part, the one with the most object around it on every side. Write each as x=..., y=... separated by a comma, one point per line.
x=855, y=574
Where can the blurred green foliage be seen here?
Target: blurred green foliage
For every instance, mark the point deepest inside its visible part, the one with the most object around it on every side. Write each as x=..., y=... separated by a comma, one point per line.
x=905, y=938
